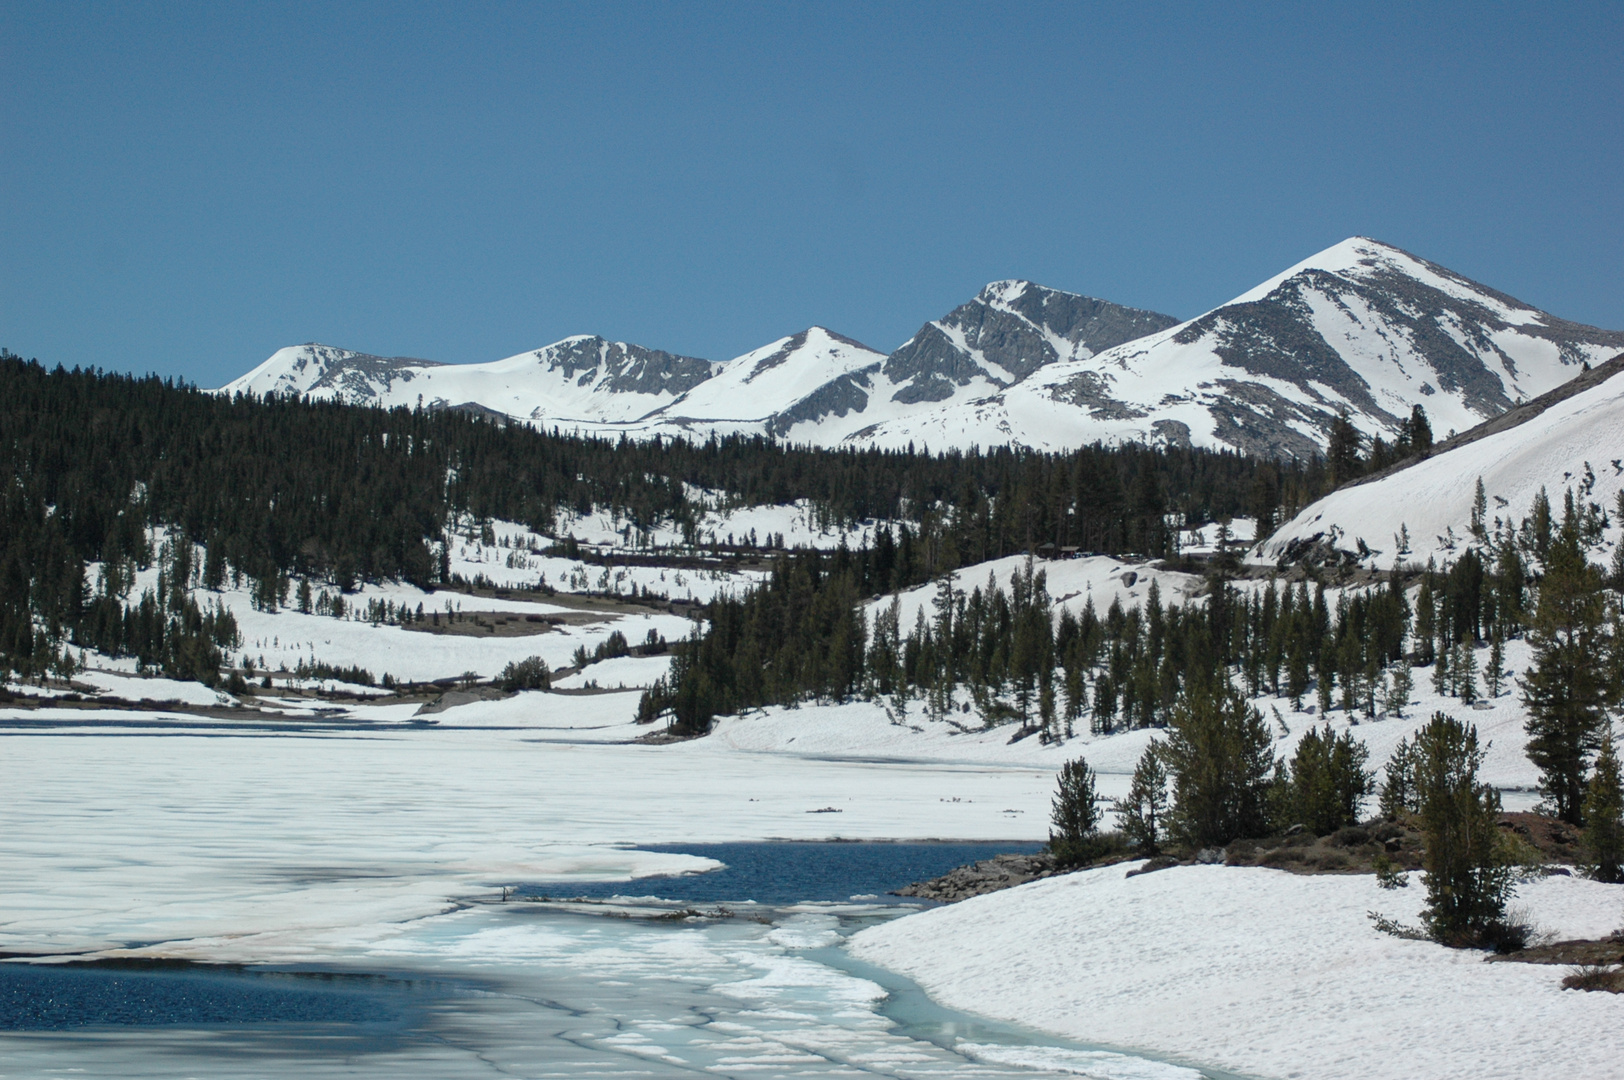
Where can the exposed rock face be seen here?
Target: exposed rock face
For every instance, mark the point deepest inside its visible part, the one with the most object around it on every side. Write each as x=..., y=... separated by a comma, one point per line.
x=1361, y=328
x=621, y=368
x=1010, y=330
x=988, y=875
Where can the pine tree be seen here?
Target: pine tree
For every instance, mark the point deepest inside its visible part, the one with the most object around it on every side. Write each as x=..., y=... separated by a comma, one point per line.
x=1398, y=790
x=1220, y=756
x=1399, y=686
x=1495, y=678
x=1604, y=816
x=1466, y=878
x=1328, y=779
x=1566, y=689
x=1073, y=817
x=1464, y=675
x=1143, y=813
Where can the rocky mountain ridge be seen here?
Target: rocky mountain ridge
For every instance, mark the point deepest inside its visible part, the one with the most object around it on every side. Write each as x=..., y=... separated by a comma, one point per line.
x=1362, y=328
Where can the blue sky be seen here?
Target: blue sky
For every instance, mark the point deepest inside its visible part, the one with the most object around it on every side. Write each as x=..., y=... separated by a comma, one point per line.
x=187, y=188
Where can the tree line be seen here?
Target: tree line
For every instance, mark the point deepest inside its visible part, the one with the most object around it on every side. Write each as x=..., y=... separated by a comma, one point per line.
x=274, y=492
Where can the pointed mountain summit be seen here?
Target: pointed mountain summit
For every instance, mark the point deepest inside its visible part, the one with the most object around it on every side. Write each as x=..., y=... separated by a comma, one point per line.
x=322, y=371
x=1361, y=327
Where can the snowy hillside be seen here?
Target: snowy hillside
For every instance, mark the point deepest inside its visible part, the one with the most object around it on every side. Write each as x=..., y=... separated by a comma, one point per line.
x=1573, y=441
x=1361, y=326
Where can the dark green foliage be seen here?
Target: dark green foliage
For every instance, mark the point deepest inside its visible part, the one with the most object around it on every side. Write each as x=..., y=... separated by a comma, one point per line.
x=1466, y=876
x=799, y=636
x=1567, y=689
x=1220, y=756
x=1604, y=816
x=1399, y=796
x=528, y=674
x=280, y=490
x=1143, y=813
x=356, y=674
x=1074, y=819
x=1329, y=782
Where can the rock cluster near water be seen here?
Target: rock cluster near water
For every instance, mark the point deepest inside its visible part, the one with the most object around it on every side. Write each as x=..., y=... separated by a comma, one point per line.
x=988, y=875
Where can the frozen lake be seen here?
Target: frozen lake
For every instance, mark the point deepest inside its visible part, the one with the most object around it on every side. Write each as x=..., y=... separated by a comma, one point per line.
x=353, y=866
x=530, y=990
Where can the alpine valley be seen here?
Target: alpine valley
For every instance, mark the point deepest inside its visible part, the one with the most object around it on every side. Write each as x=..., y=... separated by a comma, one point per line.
x=1362, y=329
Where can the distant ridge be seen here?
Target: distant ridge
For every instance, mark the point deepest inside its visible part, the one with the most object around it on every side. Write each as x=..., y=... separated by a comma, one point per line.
x=1361, y=328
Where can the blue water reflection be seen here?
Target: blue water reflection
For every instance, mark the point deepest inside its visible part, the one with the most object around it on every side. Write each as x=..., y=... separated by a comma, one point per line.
x=789, y=872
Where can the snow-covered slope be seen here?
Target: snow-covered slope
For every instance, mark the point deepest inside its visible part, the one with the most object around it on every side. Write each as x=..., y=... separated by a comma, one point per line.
x=774, y=385
x=1011, y=330
x=1361, y=326
x=578, y=379
x=1574, y=438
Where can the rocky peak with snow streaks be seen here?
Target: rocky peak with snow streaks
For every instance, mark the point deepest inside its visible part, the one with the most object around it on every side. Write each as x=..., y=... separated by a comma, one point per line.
x=1361, y=327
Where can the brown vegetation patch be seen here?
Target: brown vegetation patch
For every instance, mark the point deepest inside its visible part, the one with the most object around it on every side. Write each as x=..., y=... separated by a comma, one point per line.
x=1580, y=953
x=1356, y=849
x=1610, y=980
x=500, y=623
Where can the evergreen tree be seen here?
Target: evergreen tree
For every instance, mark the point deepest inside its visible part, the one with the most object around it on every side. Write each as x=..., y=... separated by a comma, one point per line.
x=1342, y=453
x=1399, y=796
x=1566, y=689
x=1495, y=678
x=1604, y=816
x=1480, y=509
x=1399, y=686
x=1328, y=780
x=1073, y=817
x=1220, y=756
x=1466, y=878
x=1143, y=813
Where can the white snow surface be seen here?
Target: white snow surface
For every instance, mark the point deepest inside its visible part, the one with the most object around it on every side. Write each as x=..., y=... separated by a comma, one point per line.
x=1265, y=972
x=1433, y=499
x=1159, y=378
x=1160, y=388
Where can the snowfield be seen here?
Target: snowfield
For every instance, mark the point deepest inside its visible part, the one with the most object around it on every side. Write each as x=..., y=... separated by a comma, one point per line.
x=1432, y=500
x=1265, y=972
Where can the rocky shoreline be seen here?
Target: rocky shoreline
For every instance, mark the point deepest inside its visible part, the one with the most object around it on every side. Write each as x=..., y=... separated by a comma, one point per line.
x=988, y=875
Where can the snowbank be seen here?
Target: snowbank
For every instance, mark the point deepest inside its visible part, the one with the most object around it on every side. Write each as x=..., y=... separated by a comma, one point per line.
x=1264, y=972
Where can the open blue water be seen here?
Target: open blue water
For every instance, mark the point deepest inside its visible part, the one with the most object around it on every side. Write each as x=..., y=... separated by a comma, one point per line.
x=51, y=997
x=788, y=872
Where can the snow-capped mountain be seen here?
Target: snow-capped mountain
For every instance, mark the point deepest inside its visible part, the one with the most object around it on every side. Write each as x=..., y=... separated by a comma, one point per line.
x=816, y=387
x=773, y=388
x=1361, y=327
x=577, y=379
x=1571, y=437
x=1010, y=330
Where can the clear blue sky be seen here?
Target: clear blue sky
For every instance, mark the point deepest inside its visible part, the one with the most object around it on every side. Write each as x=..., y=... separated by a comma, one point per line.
x=185, y=189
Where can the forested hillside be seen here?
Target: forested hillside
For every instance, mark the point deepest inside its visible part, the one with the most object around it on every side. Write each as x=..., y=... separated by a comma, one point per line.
x=277, y=489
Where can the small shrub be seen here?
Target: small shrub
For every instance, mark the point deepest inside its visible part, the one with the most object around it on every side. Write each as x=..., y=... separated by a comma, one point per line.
x=1389, y=874
x=1595, y=977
